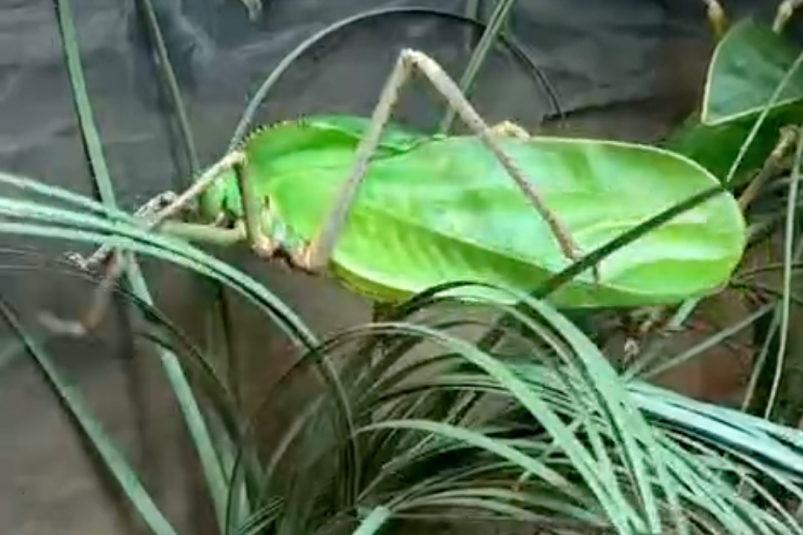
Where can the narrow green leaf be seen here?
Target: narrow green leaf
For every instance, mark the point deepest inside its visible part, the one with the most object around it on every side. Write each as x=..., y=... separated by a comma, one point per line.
x=192, y=414
x=123, y=473
x=374, y=521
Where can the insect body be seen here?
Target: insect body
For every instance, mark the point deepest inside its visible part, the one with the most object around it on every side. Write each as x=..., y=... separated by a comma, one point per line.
x=432, y=210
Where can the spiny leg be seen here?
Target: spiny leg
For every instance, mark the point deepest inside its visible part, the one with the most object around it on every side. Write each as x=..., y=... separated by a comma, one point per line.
x=101, y=296
x=515, y=131
x=785, y=11
x=317, y=254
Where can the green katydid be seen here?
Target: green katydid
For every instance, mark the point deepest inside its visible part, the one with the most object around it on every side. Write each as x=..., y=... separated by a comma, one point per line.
x=391, y=212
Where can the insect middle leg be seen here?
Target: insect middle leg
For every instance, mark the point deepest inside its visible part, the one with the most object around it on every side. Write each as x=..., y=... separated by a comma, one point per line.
x=317, y=254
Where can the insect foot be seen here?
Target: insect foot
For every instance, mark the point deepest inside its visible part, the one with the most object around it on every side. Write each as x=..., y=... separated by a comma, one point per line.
x=149, y=209
x=156, y=204
x=84, y=263
x=92, y=262
x=510, y=129
x=304, y=260
x=263, y=247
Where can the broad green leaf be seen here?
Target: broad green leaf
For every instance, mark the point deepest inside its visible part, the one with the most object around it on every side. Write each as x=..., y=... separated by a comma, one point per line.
x=717, y=147
x=746, y=70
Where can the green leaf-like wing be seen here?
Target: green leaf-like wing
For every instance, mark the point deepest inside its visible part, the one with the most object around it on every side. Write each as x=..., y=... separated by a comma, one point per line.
x=747, y=67
x=328, y=141
x=445, y=210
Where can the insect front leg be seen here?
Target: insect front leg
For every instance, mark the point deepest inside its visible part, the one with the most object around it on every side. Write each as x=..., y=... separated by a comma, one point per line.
x=101, y=296
x=317, y=254
x=150, y=209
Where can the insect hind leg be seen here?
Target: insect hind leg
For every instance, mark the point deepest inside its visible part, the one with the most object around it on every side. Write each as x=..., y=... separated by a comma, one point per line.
x=319, y=251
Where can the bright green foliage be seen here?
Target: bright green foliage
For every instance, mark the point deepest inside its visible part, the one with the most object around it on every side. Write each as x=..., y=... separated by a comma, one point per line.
x=434, y=210
x=748, y=65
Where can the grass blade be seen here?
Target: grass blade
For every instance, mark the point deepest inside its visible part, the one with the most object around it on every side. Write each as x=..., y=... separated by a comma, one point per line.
x=374, y=521
x=202, y=440
x=120, y=469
